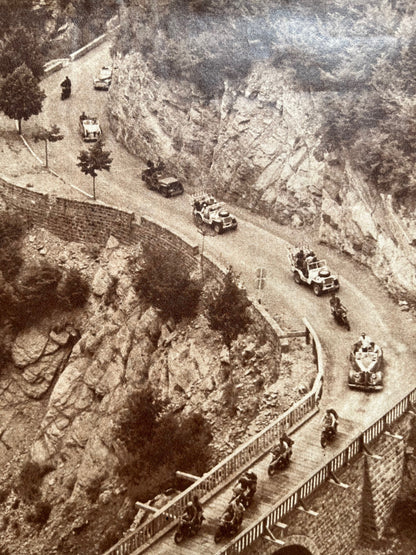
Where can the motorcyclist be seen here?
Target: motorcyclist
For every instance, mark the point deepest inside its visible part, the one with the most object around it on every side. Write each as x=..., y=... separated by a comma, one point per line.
x=190, y=513
x=335, y=303
x=198, y=508
x=330, y=420
x=66, y=83
x=251, y=481
x=66, y=88
x=241, y=487
x=284, y=447
x=237, y=509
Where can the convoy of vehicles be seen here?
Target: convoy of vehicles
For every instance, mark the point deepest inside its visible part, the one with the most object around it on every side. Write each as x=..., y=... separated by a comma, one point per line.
x=103, y=80
x=207, y=210
x=308, y=269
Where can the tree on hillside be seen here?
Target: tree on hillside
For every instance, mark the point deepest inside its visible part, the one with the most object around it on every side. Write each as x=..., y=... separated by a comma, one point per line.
x=226, y=308
x=20, y=95
x=13, y=13
x=93, y=160
x=21, y=47
x=166, y=284
x=49, y=136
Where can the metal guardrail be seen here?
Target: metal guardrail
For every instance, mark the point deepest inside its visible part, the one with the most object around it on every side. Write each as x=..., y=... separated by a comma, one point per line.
x=283, y=507
x=219, y=476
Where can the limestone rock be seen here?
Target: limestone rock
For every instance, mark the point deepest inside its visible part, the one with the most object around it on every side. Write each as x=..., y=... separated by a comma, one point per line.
x=37, y=377
x=101, y=282
x=29, y=346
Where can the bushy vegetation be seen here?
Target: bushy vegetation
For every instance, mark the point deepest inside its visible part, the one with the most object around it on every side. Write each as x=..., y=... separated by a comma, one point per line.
x=29, y=481
x=12, y=228
x=39, y=515
x=44, y=288
x=21, y=46
x=88, y=16
x=226, y=308
x=159, y=442
x=29, y=292
x=165, y=283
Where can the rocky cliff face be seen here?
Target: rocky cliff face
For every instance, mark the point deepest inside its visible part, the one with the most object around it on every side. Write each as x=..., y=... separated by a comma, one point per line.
x=256, y=143
x=70, y=376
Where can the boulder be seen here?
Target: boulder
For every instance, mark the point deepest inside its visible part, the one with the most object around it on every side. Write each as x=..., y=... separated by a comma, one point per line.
x=29, y=345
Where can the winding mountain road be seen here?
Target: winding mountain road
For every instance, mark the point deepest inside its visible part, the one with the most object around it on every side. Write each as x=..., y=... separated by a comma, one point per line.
x=258, y=242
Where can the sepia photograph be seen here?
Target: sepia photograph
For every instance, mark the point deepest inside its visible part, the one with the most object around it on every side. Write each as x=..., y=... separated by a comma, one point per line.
x=207, y=277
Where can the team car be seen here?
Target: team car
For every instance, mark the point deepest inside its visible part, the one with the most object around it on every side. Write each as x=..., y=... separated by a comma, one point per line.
x=103, y=80
x=308, y=269
x=366, y=366
x=89, y=128
x=166, y=186
x=207, y=210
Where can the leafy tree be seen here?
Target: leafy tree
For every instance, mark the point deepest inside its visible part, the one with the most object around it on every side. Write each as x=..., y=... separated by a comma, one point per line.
x=12, y=227
x=49, y=136
x=93, y=160
x=21, y=47
x=158, y=443
x=136, y=423
x=13, y=13
x=20, y=95
x=226, y=308
x=166, y=284
x=73, y=290
x=37, y=293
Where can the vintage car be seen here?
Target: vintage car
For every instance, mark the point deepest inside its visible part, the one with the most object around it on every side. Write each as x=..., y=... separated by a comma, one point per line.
x=89, y=128
x=366, y=367
x=308, y=269
x=103, y=81
x=166, y=186
x=207, y=210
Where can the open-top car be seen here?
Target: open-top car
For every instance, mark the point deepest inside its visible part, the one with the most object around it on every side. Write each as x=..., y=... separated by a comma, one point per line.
x=207, y=210
x=89, y=128
x=103, y=80
x=166, y=186
x=366, y=366
x=308, y=269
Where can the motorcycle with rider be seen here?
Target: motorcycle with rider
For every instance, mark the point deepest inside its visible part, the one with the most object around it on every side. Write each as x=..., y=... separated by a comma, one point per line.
x=330, y=425
x=281, y=454
x=66, y=88
x=190, y=521
x=245, y=488
x=230, y=521
x=339, y=311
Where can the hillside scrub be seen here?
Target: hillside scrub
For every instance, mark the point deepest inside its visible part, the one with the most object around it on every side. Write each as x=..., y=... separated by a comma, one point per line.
x=165, y=284
x=31, y=291
x=158, y=443
x=226, y=308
